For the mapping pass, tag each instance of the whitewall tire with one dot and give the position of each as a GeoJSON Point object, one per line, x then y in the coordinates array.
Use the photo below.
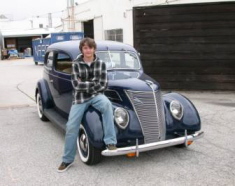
{"type": "Point", "coordinates": [87, 152]}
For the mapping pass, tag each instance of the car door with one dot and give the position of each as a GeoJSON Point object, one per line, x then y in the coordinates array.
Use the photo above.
{"type": "Point", "coordinates": [48, 72]}
{"type": "Point", "coordinates": [63, 90]}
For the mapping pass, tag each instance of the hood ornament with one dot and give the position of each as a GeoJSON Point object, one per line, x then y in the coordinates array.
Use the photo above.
{"type": "Point", "coordinates": [149, 82]}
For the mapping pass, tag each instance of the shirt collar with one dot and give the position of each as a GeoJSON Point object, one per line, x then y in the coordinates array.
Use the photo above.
{"type": "Point", "coordinates": [80, 59]}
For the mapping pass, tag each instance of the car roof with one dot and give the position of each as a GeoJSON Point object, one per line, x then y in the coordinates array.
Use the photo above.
{"type": "Point", "coordinates": [72, 47]}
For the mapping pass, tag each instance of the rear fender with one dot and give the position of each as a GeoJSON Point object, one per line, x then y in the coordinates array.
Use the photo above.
{"type": "Point", "coordinates": [43, 89]}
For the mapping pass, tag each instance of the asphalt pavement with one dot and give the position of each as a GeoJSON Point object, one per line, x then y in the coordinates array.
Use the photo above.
{"type": "Point", "coordinates": [31, 150]}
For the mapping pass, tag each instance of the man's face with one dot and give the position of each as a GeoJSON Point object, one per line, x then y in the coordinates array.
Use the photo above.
{"type": "Point", "coordinates": [87, 51]}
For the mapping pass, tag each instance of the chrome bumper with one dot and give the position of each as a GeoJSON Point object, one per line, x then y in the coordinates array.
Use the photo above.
{"type": "Point", "coordinates": [152, 146]}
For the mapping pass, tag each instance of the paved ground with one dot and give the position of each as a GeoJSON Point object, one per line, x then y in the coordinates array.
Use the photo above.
{"type": "Point", "coordinates": [30, 150]}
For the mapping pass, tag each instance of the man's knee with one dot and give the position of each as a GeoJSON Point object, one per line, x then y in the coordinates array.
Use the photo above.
{"type": "Point", "coordinates": [105, 104]}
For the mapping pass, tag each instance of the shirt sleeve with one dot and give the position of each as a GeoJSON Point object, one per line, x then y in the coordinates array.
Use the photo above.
{"type": "Point", "coordinates": [78, 85]}
{"type": "Point", "coordinates": [99, 82]}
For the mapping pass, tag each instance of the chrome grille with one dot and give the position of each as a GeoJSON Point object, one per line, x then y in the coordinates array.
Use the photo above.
{"type": "Point", "coordinates": [150, 114]}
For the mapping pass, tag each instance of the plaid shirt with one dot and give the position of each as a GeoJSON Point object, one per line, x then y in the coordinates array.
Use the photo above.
{"type": "Point", "coordinates": [93, 79]}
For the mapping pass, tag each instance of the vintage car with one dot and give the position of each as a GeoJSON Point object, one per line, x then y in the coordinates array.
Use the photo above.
{"type": "Point", "coordinates": [144, 118]}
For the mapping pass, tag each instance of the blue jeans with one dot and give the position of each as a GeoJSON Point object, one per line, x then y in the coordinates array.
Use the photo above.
{"type": "Point", "coordinates": [101, 103]}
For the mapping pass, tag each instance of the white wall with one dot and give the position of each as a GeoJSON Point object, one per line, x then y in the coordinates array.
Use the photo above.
{"type": "Point", "coordinates": [107, 15]}
{"type": "Point", "coordinates": [98, 27]}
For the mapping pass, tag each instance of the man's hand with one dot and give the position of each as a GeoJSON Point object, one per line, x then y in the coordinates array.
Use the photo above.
{"type": "Point", "coordinates": [79, 79]}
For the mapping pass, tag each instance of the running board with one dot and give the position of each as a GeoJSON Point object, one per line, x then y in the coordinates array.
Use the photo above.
{"type": "Point", "coordinates": [55, 118]}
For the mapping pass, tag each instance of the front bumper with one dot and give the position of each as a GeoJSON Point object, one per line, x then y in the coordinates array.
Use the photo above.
{"type": "Point", "coordinates": [152, 146]}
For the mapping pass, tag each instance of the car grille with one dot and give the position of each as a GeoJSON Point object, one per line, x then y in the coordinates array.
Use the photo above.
{"type": "Point", "coordinates": [150, 114]}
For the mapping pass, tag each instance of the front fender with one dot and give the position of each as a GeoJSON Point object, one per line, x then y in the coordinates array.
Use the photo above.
{"type": "Point", "coordinates": [92, 122]}
{"type": "Point", "coordinates": [43, 89]}
{"type": "Point", "coordinates": [190, 120]}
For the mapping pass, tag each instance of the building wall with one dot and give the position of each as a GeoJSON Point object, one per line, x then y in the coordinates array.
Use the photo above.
{"type": "Point", "coordinates": [114, 14]}
{"type": "Point", "coordinates": [187, 46]}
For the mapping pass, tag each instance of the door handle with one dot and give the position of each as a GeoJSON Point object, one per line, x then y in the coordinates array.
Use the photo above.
{"type": "Point", "coordinates": [51, 80]}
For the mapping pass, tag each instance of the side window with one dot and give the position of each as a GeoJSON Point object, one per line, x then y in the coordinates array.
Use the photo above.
{"type": "Point", "coordinates": [49, 60]}
{"type": "Point", "coordinates": [63, 63]}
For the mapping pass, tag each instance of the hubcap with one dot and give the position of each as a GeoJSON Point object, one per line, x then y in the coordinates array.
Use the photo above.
{"type": "Point", "coordinates": [39, 105]}
{"type": "Point", "coordinates": [83, 142]}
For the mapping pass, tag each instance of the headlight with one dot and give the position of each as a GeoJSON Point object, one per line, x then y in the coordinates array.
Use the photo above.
{"type": "Point", "coordinates": [176, 109]}
{"type": "Point", "coordinates": [121, 117]}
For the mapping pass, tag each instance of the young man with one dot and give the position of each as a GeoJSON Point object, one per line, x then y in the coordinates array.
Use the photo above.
{"type": "Point", "coordinates": [89, 80]}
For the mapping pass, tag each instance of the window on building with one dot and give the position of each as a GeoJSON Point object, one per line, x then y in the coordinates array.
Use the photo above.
{"type": "Point", "coordinates": [40, 25]}
{"type": "Point", "coordinates": [114, 35]}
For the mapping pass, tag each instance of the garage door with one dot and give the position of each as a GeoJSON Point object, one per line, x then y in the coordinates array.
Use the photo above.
{"type": "Point", "coordinates": [23, 43]}
{"type": "Point", "coordinates": [188, 46]}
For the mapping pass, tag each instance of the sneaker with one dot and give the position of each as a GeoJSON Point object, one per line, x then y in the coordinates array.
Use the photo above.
{"type": "Point", "coordinates": [64, 166]}
{"type": "Point", "coordinates": [111, 147]}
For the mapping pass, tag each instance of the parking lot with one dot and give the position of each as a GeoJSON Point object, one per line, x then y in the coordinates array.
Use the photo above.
{"type": "Point", "coordinates": [31, 150]}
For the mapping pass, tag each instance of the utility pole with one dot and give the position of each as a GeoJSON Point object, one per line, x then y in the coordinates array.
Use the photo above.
{"type": "Point", "coordinates": [1, 45]}
{"type": "Point", "coordinates": [68, 23]}
{"type": "Point", "coordinates": [71, 17]}
{"type": "Point", "coordinates": [49, 20]}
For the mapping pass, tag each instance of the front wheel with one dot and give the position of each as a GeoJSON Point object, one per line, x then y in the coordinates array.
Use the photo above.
{"type": "Point", "coordinates": [40, 108]}
{"type": "Point", "coordinates": [87, 152]}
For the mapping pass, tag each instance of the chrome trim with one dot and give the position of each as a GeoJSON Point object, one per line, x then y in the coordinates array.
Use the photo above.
{"type": "Point", "coordinates": [82, 142]}
{"type": "Point", "coordinates": [150, 84]}
{"type": "Point", "coordinates": [148, 117]}
{"type": "Point", "coordinates": [186, 138]}
{"type": "Point", "coordinates": [135, 111]}
{"type": "Point", "coordinates": [153, 146]}
{"type": "Point", "coordinates": [39, 105]}
{"type": "Point", "coordinates": [137, 147]}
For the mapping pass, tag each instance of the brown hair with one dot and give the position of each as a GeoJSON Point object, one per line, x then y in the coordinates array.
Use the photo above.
{"type": "Point", "coordinates": [87, 41]}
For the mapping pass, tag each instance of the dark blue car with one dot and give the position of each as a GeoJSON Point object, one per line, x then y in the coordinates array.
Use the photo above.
{"type": "Point", "coordinates": [144, 118]}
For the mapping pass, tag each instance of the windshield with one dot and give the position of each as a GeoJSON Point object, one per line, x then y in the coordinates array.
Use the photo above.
{"type": "Point", "coordinates": [119, 59]}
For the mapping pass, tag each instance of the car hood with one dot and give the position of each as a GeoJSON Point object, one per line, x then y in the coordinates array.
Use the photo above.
{"type": "Point", "coordinates": [130, 81]}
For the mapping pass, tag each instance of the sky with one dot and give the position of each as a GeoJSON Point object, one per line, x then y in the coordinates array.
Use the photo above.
{"type": "Point", "coordinates": [20, 9]}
